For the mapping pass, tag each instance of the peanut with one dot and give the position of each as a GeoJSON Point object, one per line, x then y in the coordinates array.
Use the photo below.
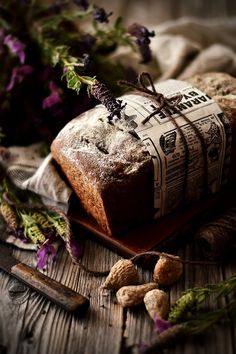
{"type": "Point", "coordinates": [133, 295]}
{"type": "Point", "coordinates": [168, 269]}
{"type": "Point", "coordinates": [157, 303]}
{"type": "Point", "coordinates": [122, 273]}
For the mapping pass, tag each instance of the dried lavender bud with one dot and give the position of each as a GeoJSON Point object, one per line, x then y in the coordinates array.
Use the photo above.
{"type": "Point", "coordinates": [82, 3]}
{"type": "Point", "coordinates": [142, 35]}
{"type": "Point", "coordinates": [106, 97]}
{"type": "Point", "coordinates": [41, 220]}
{"type": "Point", "coordinates": [9, 214]}
{"type": "Point", "coordinates": [31, 229]}
{"type": "Point", "coordinates": [100, 15]}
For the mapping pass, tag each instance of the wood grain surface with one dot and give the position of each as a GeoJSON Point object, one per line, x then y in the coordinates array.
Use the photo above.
{"type": "Point", "coordinates": [31, 324]}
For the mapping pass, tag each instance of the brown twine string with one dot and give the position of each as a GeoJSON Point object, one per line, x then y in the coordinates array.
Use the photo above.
{"type": "Point", "coordinates": [136, 259]}
{"type": "Point", "coordinates": [167, 104]}
{"type": "Point", "coordinates": [217, 238]}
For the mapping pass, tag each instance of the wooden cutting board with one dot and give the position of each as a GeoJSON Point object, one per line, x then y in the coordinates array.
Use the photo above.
{"type": "Point", "coordinates": [162, 233]}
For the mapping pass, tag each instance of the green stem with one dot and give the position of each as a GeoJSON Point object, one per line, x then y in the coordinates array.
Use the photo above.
{"type": "Point", "coordinates": [59, 55]}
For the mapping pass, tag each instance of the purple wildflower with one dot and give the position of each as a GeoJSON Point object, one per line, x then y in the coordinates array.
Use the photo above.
{"type": "Point", "coordinates": [18, 75]}
{"type": "Point", "coordinates": [54, 97]}
{"type": "Point", "coordinates": [100, 15]}
{"type": "Point", "coordinates": [82, 3]}
{"type": "Point", "coordinates": [161, 325]}
{"type": "Point", "coordinates": [16, 47]}
{"type": "Point", "coordinates": [44, 253]}
{"type": "Point", "coordinates": [142, 348]}
{"type": "Point", "coordinates": [142, 35]}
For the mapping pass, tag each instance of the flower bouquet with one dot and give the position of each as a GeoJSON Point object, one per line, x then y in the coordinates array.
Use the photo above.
{"type": "Point", "coordinates": [51, 57]}
{"type": "Point", "coordinates": [56, 62]}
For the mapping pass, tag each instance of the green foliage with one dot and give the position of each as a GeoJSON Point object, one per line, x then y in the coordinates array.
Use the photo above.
{"type": "Point", "coordinates": [193, 298]}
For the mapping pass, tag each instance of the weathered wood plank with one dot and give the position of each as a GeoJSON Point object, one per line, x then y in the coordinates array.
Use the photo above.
{"type": "Point", "coordinates": [139, 327]}
{"type": "Point", "coordinates": [41, 327]}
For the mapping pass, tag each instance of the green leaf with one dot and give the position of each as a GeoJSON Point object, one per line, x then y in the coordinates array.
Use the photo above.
{"type": "Point", "coordinates": [119, 23]}
{"type": "Point", "coordinates": [74, 84]}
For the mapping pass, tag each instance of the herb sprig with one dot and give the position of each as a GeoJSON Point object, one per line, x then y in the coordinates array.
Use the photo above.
{"type": "Point", "coordinates": [180, 325]}
{"type": "Point", "coordinates": [193, 298]}
{"type": "Point", "coordinates": [63, 49]}
{"type": "Point", "coordinates": [32, 222]}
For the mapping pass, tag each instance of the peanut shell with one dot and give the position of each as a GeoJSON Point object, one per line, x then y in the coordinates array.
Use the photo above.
{"type": "Point", "coordinates": [122, 273]}
{"type": "Point", "coordinates": [157, 303]}
{"type": "Point", "coordinates": [168, 270]}
{"type": "Point", "coordinates": [133, 295]}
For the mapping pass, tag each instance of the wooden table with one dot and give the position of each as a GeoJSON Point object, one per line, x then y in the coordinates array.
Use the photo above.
{"type": "Point", "coordinates": [31, 324]}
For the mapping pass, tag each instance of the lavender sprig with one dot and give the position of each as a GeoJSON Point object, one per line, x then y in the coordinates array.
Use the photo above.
{"type": "Point", "coordinates": [59, 55]}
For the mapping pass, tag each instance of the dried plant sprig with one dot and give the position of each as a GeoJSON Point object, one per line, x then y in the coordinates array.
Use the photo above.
{"type": "Point", "coordinates": [31, 229]}
{"type": "Point", "coordinates": [192, 298]}
{"type": "Point", "coordinates": [59, 55]}
{"type": "Point", "coordinates": [37, 223]}
{"type": "Point", "coordinates": [9, 215]}
{"type": "Point", "coordinates": [191, 327]}
{"type": "Point", "coordinates": [55, 40]}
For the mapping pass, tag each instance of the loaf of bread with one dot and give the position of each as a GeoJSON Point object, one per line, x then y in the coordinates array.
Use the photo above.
{"type": "Point", "coordinates": [111, 170]}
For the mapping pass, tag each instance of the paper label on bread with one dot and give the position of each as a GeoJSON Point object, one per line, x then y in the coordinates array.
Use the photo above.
{"type": "Point", "coordinates": [168, 149]}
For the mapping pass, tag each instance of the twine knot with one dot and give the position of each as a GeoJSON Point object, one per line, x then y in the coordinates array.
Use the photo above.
{"type": "Point", "coordinates": [163, 103]}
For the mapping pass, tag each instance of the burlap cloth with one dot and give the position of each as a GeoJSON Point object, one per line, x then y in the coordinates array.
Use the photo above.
{"type": "Point", "coordinates": [189, 46]}
{"type": "Point", "coordinates": [180, 49]}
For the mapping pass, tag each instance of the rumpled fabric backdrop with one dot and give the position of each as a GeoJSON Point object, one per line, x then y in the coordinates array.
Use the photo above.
{"type": "Point", "coordinates": [180, 49]}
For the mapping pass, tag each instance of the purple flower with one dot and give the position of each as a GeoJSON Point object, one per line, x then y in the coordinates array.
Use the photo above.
{"type": "Point", "coordinates": [16, 47]}
{"type": "Point", "coordinates": [100, 15]}
{"type": "Point", "coordinates": [161, 325]}
{"type": "Point", "coordinates": [18, 75]}
{"type": "Point", "coordinates": [54, 97]}
{"type": "Point", "coordinates": [82, 3]}
{"type": "Point", "coordinates": [142, 35]}
{"type": "Point", "coordinates": [44, 253]}
{"type": "Point", "coordinates": [142, 348]}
